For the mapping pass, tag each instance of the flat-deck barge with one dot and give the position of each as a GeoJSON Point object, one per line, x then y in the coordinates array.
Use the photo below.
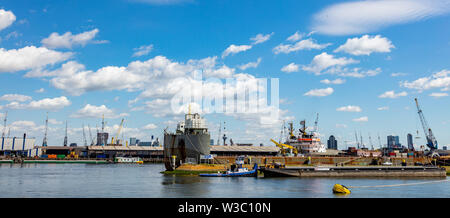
{"type": "Point", "coordinates": [356, 171]}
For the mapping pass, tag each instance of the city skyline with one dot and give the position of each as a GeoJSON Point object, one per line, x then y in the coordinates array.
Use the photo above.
{"type": "Point", "coordinates": [121, 59]}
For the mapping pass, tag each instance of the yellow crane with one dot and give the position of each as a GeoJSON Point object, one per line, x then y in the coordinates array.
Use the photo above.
{"type": "Point", "coordinates": [118, 132]}
{"type": "Point", "coordinates": [283, 146]}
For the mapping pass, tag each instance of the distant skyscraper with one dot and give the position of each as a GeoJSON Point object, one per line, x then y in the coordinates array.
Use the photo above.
{"type": "Point", "coordinates": [410, 141]}
{"type": "Point", "coordinates": [393, 141]}
{"type": "Point", "coordinates": [133, 141]}
{"type": "Point", "coordinates": [211, 142]}
{"type": "Point", "coordinates": [332, 143]}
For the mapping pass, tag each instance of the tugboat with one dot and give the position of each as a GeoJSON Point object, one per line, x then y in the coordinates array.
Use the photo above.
{"type": "Point", "coordinates": [236, 172]}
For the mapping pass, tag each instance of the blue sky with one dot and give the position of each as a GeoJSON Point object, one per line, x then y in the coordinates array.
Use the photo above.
{"type": "Point", "coordinates": [382, 54]}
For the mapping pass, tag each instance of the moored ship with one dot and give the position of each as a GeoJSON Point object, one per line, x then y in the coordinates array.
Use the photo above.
{"type": "Point", "coordinates": [305, 142]}
{"type": "Point", "coordinates": [188, 143]}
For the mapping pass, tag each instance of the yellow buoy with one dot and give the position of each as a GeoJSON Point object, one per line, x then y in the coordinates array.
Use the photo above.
{"type": "Point", "coordinates": [340, 189]}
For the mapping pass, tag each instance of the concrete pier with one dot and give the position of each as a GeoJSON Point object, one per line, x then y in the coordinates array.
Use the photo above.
{"type": "Point", "coordinates": [369, 171]}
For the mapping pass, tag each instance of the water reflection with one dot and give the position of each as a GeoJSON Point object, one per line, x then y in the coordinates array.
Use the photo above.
{"type": "Point", "coordinates": [117, 180]}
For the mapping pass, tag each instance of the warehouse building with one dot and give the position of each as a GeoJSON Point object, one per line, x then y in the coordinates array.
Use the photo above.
{"type": "Point", "coordinates": [17, 146]}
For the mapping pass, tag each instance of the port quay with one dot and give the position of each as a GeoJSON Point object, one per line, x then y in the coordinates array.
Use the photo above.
{"type": "Point", "coordinates": [224, 108]}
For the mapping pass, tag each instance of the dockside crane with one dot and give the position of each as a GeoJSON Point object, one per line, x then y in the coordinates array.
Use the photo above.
{"type": "Point", "coordinates": [65, 137]}
{"type": "Point", "coordinates": [90, 135]}
{"type": "Point", "coordinates": [220, 133]}
{"type": "Point", "coordinates": [379, 140]}
{"type": "Point", "coordinates": [84, 137]}
{"type": "Point", "coordinates": [362, 145]}
{"type": "Point", "coordinates": [114, 139]}
{"type": "Point", "coordinates": [4, 124]}
{"type": "Point", "coordinates": [44, 141]}
{"type": "Point", "coordinates": [431, 140]}
{"type": "Point", "coordinates": [356, 137]}
{"type": "Point", "coordinates": [283, 146]}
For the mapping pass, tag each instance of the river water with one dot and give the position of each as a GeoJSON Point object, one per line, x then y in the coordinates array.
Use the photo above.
{"type": "Point", "coordinates": [136, 181]}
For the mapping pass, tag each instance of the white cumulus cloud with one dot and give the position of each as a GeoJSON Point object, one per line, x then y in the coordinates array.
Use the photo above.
{"type": "Point", "coordinates": [29, 57]}
{"type": "Point", "coordinates": [320, 92]}
{"type": "Point", "coordinates": [142, 50]}
{"type": "Point", "coordinates": [306, 44]}
{"type": "Point", "coordinates": [234, 49]}
{"type": "Point", "coordinates": [150, 126]}
{"type": "Point", "coordinates": [292, 67]}
{"type": "Point", "coordinates": [349, 108]}
{"type": "Point", "coordinates": [6, 18]}
{"type": "Point", "coordinates": [440, 80]}
{"type": "Point", "coordinates": [324, 60]}
{"type": "Point", "coordinates": [250, 64]}
{"type": "Point", "coordinates": [295, 37]}
{"type": "Point", "coordinates": [92, 111]}
{"type": "Point", "coordinates": [51, 104]}
{"type": "Point", "coordinates": [260, 38]}
{"type": "Point", "coordinates": [337, 81]}
{"type": "Point", "coordinates": [15, 97]}
{"type": "Point", "coordinates": [361, 119]}
{"type": "Point", "coordinates": [439, 94]}
{"type": "Point", "coordinates": [67, 40]}
{"type": "Point", "coordinates": [392, 94]}
{"type": "Point", "coordinates": [366, 45]}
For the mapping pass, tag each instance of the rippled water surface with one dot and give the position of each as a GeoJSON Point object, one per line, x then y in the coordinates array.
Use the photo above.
{"type": "Point", "coordinates": [117, 180]}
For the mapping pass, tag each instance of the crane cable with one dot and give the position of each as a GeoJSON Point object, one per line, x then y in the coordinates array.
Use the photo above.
{"type": "Point", "coordinates": [395, 185]}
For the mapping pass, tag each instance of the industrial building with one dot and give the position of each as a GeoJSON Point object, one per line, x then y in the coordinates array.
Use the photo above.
{"type": "Point", "coordinates": [19, 146]}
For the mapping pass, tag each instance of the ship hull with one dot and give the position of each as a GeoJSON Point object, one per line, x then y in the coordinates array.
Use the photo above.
{"type": "Point", "coordinates": [184, 148]}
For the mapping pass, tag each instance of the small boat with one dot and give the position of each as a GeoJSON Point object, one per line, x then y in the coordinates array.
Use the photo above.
{"type": "Point", "coordinates": [340, 189]}
{"type": "Point", "coordinates": [128, 160]}
{"type": "Point", "coordinates": [387, 163]}
{"type": "Point", "coordinates": [241, 172]}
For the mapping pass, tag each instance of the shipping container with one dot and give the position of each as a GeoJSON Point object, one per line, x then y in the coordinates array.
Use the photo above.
{"type": "Point", "coordinates": [52, 156]}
